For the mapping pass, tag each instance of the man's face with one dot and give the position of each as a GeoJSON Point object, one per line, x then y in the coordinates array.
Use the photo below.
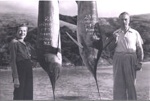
{"type": "Point", "coordinates": [124, 20]}
{"type": "Point", "coordinates": [22, 32]}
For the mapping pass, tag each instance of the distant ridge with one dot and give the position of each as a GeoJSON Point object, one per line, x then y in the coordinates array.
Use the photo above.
{"type": "Point", "coordinates": [68, 23]}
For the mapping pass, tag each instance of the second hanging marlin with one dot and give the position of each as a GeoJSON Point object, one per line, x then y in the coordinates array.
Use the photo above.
{"type": "Point", "coordinates": [89, 36]}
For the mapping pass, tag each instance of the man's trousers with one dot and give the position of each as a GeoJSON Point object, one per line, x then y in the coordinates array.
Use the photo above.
{"type": "Point", "coordinates": [124, 74]}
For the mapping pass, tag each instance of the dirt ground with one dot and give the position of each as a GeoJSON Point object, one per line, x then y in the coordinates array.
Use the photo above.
{"type": "Point", "coordinates": [75, 83]}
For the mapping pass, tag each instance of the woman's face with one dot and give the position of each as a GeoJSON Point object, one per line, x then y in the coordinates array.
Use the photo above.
{"type": "Point", "coordinates": [22, 32]}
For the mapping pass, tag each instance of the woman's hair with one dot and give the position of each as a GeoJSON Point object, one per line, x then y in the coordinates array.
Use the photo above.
{"type": "Point", "coordinates": [13, 36]}
{"type": "Point", "coordinates": [22, 25]}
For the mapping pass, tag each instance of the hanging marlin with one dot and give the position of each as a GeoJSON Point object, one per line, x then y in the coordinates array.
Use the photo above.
{"type": "Point", "coordinates": [48, 40]}
{"type": "Point", "coordinates": [89, 36]}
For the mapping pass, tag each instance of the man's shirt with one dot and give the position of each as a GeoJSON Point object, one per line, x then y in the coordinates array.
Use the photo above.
{"type": "Point", "coordinates": [127, 41]}
{"type": "Point", "coordinates": [18, 52]}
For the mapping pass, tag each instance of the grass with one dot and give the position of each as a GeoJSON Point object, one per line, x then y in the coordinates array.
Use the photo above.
{"type": "Point", "coordinates": [75, 83]}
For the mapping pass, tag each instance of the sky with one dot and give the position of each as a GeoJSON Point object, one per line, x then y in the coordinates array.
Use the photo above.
{"type": "Point", "coordinates": [110, 8]}
{"type": "Point", "coordinates": [106, 8]}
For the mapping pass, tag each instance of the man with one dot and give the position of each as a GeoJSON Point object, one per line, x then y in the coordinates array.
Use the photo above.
{"type": "Point", "coordinates": [21, 66]}
{"type": "Point", "coordinates": [125, 61]}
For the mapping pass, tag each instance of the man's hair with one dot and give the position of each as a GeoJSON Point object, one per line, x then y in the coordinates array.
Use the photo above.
{"type": "Point", "coordinates": [124, 13]}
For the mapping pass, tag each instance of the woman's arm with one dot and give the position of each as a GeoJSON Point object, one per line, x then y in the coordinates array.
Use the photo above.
{"type": "Point", "coordinates": [13, 51]}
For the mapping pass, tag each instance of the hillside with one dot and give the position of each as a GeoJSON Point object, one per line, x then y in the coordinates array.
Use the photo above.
{"type": "Point", "coordinates": [70, 51]}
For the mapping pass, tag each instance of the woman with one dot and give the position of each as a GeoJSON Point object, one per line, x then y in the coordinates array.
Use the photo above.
{"type": "Point", "coordinates": [21, 66]}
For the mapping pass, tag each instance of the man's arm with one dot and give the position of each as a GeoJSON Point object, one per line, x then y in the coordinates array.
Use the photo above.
{"type": "Point", "coordinates": [139, 48]}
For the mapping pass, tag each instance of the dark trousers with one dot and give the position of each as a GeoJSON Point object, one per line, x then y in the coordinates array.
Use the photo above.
{"type": "Point", "coordinates": [25, 90]}
{"type": "Point", "coordinates": [124, 76]}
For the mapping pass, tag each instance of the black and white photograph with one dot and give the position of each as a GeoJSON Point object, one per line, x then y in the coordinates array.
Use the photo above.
{"type": "Point", "coordinates": [74, 50]}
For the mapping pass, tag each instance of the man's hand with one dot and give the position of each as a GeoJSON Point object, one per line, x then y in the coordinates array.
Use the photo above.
{"type": "Point", "coordinates": [116, 37]}
{"type": "Point", "coordinates": [95, 37]}
{"type": "Point", "coordinates": [16, 83]}
{"type": "Point", "coordinates": [138, 66]}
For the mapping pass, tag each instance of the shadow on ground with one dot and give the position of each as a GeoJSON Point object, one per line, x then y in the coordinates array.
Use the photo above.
{"type": "Point", "coordinates": [72, 97]}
